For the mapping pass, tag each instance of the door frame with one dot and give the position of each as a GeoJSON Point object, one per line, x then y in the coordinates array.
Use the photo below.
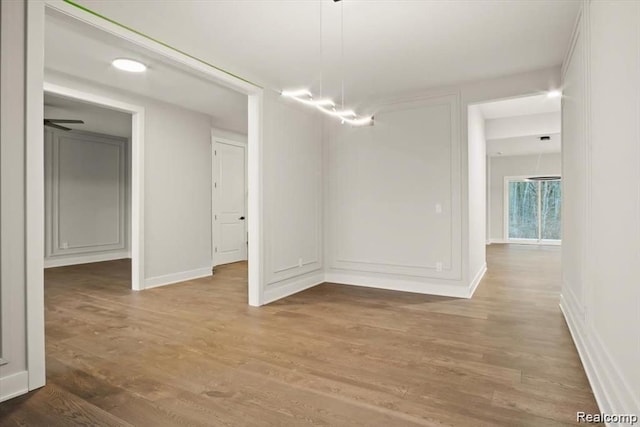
{"type": "Point", "coordinates": [34, 163]}
{"type": "Point", "coordinates": [214, 235]}
{"type": "Point", "coordinates": [505, 199]}
{"type": "Point", "coordinates": [137, 169]}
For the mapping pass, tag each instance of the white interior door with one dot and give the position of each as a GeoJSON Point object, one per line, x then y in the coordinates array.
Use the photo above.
{"type": "Point", "coordinates": [229, 202]}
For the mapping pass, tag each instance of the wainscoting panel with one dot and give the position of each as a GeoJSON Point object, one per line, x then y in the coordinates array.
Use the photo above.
{"type": "Point", "coordinates": [85, 201]}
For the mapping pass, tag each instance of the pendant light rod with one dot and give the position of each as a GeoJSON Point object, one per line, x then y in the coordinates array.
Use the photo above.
{"type": "Point", "coordinates": [342, 47]}
{"type": "Point", "coordinates": [324, 105]}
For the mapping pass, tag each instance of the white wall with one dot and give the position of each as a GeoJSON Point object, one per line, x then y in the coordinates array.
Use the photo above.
{"type": "Point", "coordinates": [13, 374]}
{"type": "Point", "coordinates": [477, 190]}
{"type": "Point", "coordinates": [392, 215]}
{"type": "Point", "coordinates": [292, 153]}
{"type": "Point", "coordinates": [502, 166]}
{"type": "Point", "coordinates": [601, 205]}
{"type": "Point", "coordinates": [383, 184]}
{"type": "Point", "coordinates": [177, 185]}
{"type": "Point", "coordinates": [87, 207]}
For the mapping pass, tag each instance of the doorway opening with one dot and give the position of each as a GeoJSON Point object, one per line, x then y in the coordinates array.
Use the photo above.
{"type": "Point", "coordinates": [170, 183]}
{"type": "Point", "coordinates": [521, 150]}
{"type": "Point", "coordinates": [92, 183]}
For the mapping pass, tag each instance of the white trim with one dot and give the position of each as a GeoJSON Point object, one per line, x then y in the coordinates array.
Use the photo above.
{"type": "Point", "coordinates": [488, 199]}
{"type": "Point", "coordinates": [34, 194]}
{"type": "Point", "coordinates": [477, 279]}
{"type": "Point", "coordinates": [255, 200]}
{"type": "Point", "coordinates": [183, 276]}
{"type": "Point", "coordinates": [498, 242]}
{"type": "Point", "coordinates": [543, 242]}
{"type": "Point", "coordinates": [214, 170]}
{"type": "Point", "coordinates": [84, 259]}
{"type": "Point", "coordinates": [299, 284]}
{"type": "Point", "coordinates": [612, 391]}
{"type": "Point", "coordinates": [393, 284]}
{"type": "Point", "coordinates": [137, 170]}
{"type": "Point", "coordinates": [14, 385]}
{"type": "Point", "coordinates": [525, 242]}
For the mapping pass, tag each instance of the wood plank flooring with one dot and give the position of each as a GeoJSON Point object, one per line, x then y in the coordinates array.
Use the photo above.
{"type": "Point", "coordinates": [194, 354]}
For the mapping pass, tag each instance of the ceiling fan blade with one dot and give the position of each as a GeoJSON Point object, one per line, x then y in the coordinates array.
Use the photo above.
{"type": "Point", "coordinates": [53, 125]}
{"type": "Point", "coordinates": [64, 121]}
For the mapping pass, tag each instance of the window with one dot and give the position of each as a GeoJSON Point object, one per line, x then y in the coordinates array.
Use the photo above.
{"type": "Point", "coordinates": [533, 209]}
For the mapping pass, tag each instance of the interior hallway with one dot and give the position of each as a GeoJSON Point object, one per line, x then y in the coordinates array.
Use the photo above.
{"type": "Point", "coordinates": [196, 354]}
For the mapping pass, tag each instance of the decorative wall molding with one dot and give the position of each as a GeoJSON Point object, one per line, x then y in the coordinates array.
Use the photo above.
{"type": "Point", "coordinates": [292, 286]}
{"type": "Point", "coordinates": [279, 271]}
{"type": "Point", "coordinates": [613, 393]}
{"type": "Point", "coordinates": [579, 300]}
{"type": "Point", "coordinates": [54, 247]}
{"type": "Point", "coordinates": [341, 266]}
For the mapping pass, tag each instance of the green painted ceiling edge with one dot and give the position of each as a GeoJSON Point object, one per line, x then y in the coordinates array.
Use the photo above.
{"type": "Point", "coordinates": [79, 6]}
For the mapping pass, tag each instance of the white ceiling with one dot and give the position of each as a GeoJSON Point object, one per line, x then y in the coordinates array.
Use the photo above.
{"type": "Point", "coordinates": [528, 105]}
{"type": "Point", "coordinates": [80, 50]}
{"type": "Point", "coordinates": [392, 47]}
{"type": "Point", "coordinates": [514, 126]}
{"type": "Point", "coordinates": [529, 144]}
{"type": "Point", "coordinates": [96, 119]}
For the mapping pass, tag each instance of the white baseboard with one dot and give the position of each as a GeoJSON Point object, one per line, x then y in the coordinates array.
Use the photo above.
{"type": "Point", "coordinates": [274, 292]}
{"type": "Point", "coordinates": [524, 242]}
{"type": "Point", "coordinates": [497, 241]}
{"type": "Point", "coordinates": [392, 284]}
{"type": "Point", "coordinates": [612, 392]}
{"type": "Point", "coordinates": [168, 279]}
{"type": "Point", "coordinates": [477, 279]}
{"type": "Point", "coordinates": [84, 259]}
{"type": "Point", "coordinates": [14, 385]}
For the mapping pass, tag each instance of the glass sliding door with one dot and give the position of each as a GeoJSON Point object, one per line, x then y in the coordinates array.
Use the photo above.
{"type": "Point", "coordinates": [533, 209]}
{"type": "Point", "coordinates": [550, 210]}
{"type": "Point", "coordinates": [523, 210]}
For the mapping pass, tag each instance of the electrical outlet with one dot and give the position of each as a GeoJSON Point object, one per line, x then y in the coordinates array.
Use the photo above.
{"type": "Point", "coordinates": [299, 262]}
{"type": "Point", "coordinates": [439, 267]}
{"type": "Point", "coordinates": [438, 208]}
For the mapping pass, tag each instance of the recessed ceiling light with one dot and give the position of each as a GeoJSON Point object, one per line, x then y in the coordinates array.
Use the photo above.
{"type": "Point", "coordinates": [129, 65]}
{"type": "Point", "coordinates": [554, 94]}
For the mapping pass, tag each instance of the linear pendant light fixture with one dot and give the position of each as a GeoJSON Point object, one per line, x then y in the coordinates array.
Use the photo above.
{"type": "Point", "coordinates": [325, 105]}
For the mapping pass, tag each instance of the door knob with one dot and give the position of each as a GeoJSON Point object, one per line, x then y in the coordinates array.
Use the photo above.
{"type": "Point", "coordinates": [241, 218]}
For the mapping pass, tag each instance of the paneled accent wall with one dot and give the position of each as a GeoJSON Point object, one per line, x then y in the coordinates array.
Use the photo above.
{"type": "Point", "coordinates": [601, 200]}
{"type": "Point", "coordinates": [85, 197]}
{"type": "Point", "coordinates": [393, 199]}
{"type": "Point", "coordinates": [293, 197]}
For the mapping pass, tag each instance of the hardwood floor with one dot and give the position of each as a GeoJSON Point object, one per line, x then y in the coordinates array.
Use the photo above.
{"type": "Point", "coordinates": [194, 354]}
